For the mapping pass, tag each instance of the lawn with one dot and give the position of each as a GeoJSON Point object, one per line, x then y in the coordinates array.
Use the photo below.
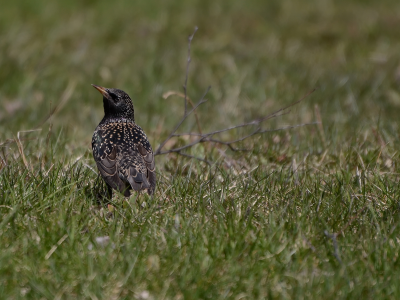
{"type": "Point", "coordinates": [308, 212]}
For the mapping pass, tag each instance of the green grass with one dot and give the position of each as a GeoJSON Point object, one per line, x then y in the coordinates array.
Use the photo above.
{"type": "Point", "coordinates": [309, 213]}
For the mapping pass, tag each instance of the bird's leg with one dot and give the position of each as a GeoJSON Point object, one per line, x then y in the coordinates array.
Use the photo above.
{"type": "Point", "coordinates": [140, 205]}
{"type": "Point", "coordinates": [109, 192]}
{"type": "Point", "coordinates": [137, 196]}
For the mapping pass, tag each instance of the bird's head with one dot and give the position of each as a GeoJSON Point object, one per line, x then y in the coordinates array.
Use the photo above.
{"type": "Point", "coordinates": [117, 103]}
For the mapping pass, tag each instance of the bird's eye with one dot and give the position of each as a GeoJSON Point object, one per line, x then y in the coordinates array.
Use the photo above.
{"type": "Point", "coordinates": [113, 96]}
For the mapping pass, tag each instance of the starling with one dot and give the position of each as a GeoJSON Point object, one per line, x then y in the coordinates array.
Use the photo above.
{"type": "Point", "coordinates": [120, 147]}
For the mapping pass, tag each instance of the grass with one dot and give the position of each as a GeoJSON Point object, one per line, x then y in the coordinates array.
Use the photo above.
{"type": "Point", "coordinates": [309, 213]}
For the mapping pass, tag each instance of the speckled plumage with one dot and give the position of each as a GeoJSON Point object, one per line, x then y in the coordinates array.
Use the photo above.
{"type": "Point", "coordinates": [120, 147]}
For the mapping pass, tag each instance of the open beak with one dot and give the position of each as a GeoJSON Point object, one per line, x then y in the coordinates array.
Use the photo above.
{"type": "Point", "coordinates": [101, 89]}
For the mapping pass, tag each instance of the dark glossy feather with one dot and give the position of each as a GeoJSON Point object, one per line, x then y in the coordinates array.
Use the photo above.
{"type": "Point", "coordinates": [123, 153]}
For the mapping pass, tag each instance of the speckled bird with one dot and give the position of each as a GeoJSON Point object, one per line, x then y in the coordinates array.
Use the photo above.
{"type": "Point", "coordinates": [121, 149]}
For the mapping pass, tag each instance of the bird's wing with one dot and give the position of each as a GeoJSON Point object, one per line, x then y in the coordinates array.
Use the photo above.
{"type": "Point", "coordinates": [148, 158]}
{"type": "Point", "coordinates": [131, 163]}
{"type": "Point", "coordinates": [133, 168]}
{"type": "Point", "coordinates": [108, 168]}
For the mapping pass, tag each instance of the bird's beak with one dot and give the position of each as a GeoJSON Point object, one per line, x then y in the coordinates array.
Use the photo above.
{"type": "Point", "coordinates": [101, 89]}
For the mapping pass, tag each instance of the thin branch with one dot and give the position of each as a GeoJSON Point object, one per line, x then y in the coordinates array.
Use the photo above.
{"type": "Point", "coordinates": [187, 67]}
{"type": "Point", "coordinates": [253, 122]}
{"type": "Point", "coordinates": [170, 93]}
{"type": "Point", "coordinates": [229, 143]}
{"type": "Point", "coordinates": [195, 157]}
{"type": "Point", "coordinates": [278, 113]}
{"type": "Point", "coordinates": [206, 137]}
{"type": "Point", "coordinates": [290, 105]}
{"type": "Point", "coordinates": [179, 149]}
{"type": "Point", "coordinates": [209, 137]}
{"type": "Point", "coordinates": [234, 127]}
{"type": "Point", "coordinates": [287, 127]}
{"type": "Point", "coordinates": [201, 101]}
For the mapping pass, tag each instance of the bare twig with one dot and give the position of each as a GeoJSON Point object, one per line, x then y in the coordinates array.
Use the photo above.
{"type": "Point", "coordinates": [234, 127]}
{"type": "Point", "coordinates": [212, 137]}
{"type": "Point", "coordinates": [170, 93]}
{"type": "Point", "coordinates": [187, 67]}
{"type": "Point", "coordinates": [277, 113]}
{"type": "Point", "coordinates": [206, 137]}
{"type": "Point", "coordinates": [201, 101]}
{"type": "Point", "coordinates": [195, 157]}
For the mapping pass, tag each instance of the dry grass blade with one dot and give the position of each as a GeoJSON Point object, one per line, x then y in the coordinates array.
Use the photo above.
{"type": "Point", "coordinates": [69, 90]}
{"type": "Point", "coordinates": [54, 248]}
{"type": "Point", "coordinates": [21, 148]}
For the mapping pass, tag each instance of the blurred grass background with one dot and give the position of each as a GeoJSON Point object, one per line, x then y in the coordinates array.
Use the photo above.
{"type": "Point", "coordinates": [258, 56]}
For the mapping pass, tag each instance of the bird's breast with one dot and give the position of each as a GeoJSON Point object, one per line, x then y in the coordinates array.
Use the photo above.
{"type": "Point", "coordinates": [124, 135]}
